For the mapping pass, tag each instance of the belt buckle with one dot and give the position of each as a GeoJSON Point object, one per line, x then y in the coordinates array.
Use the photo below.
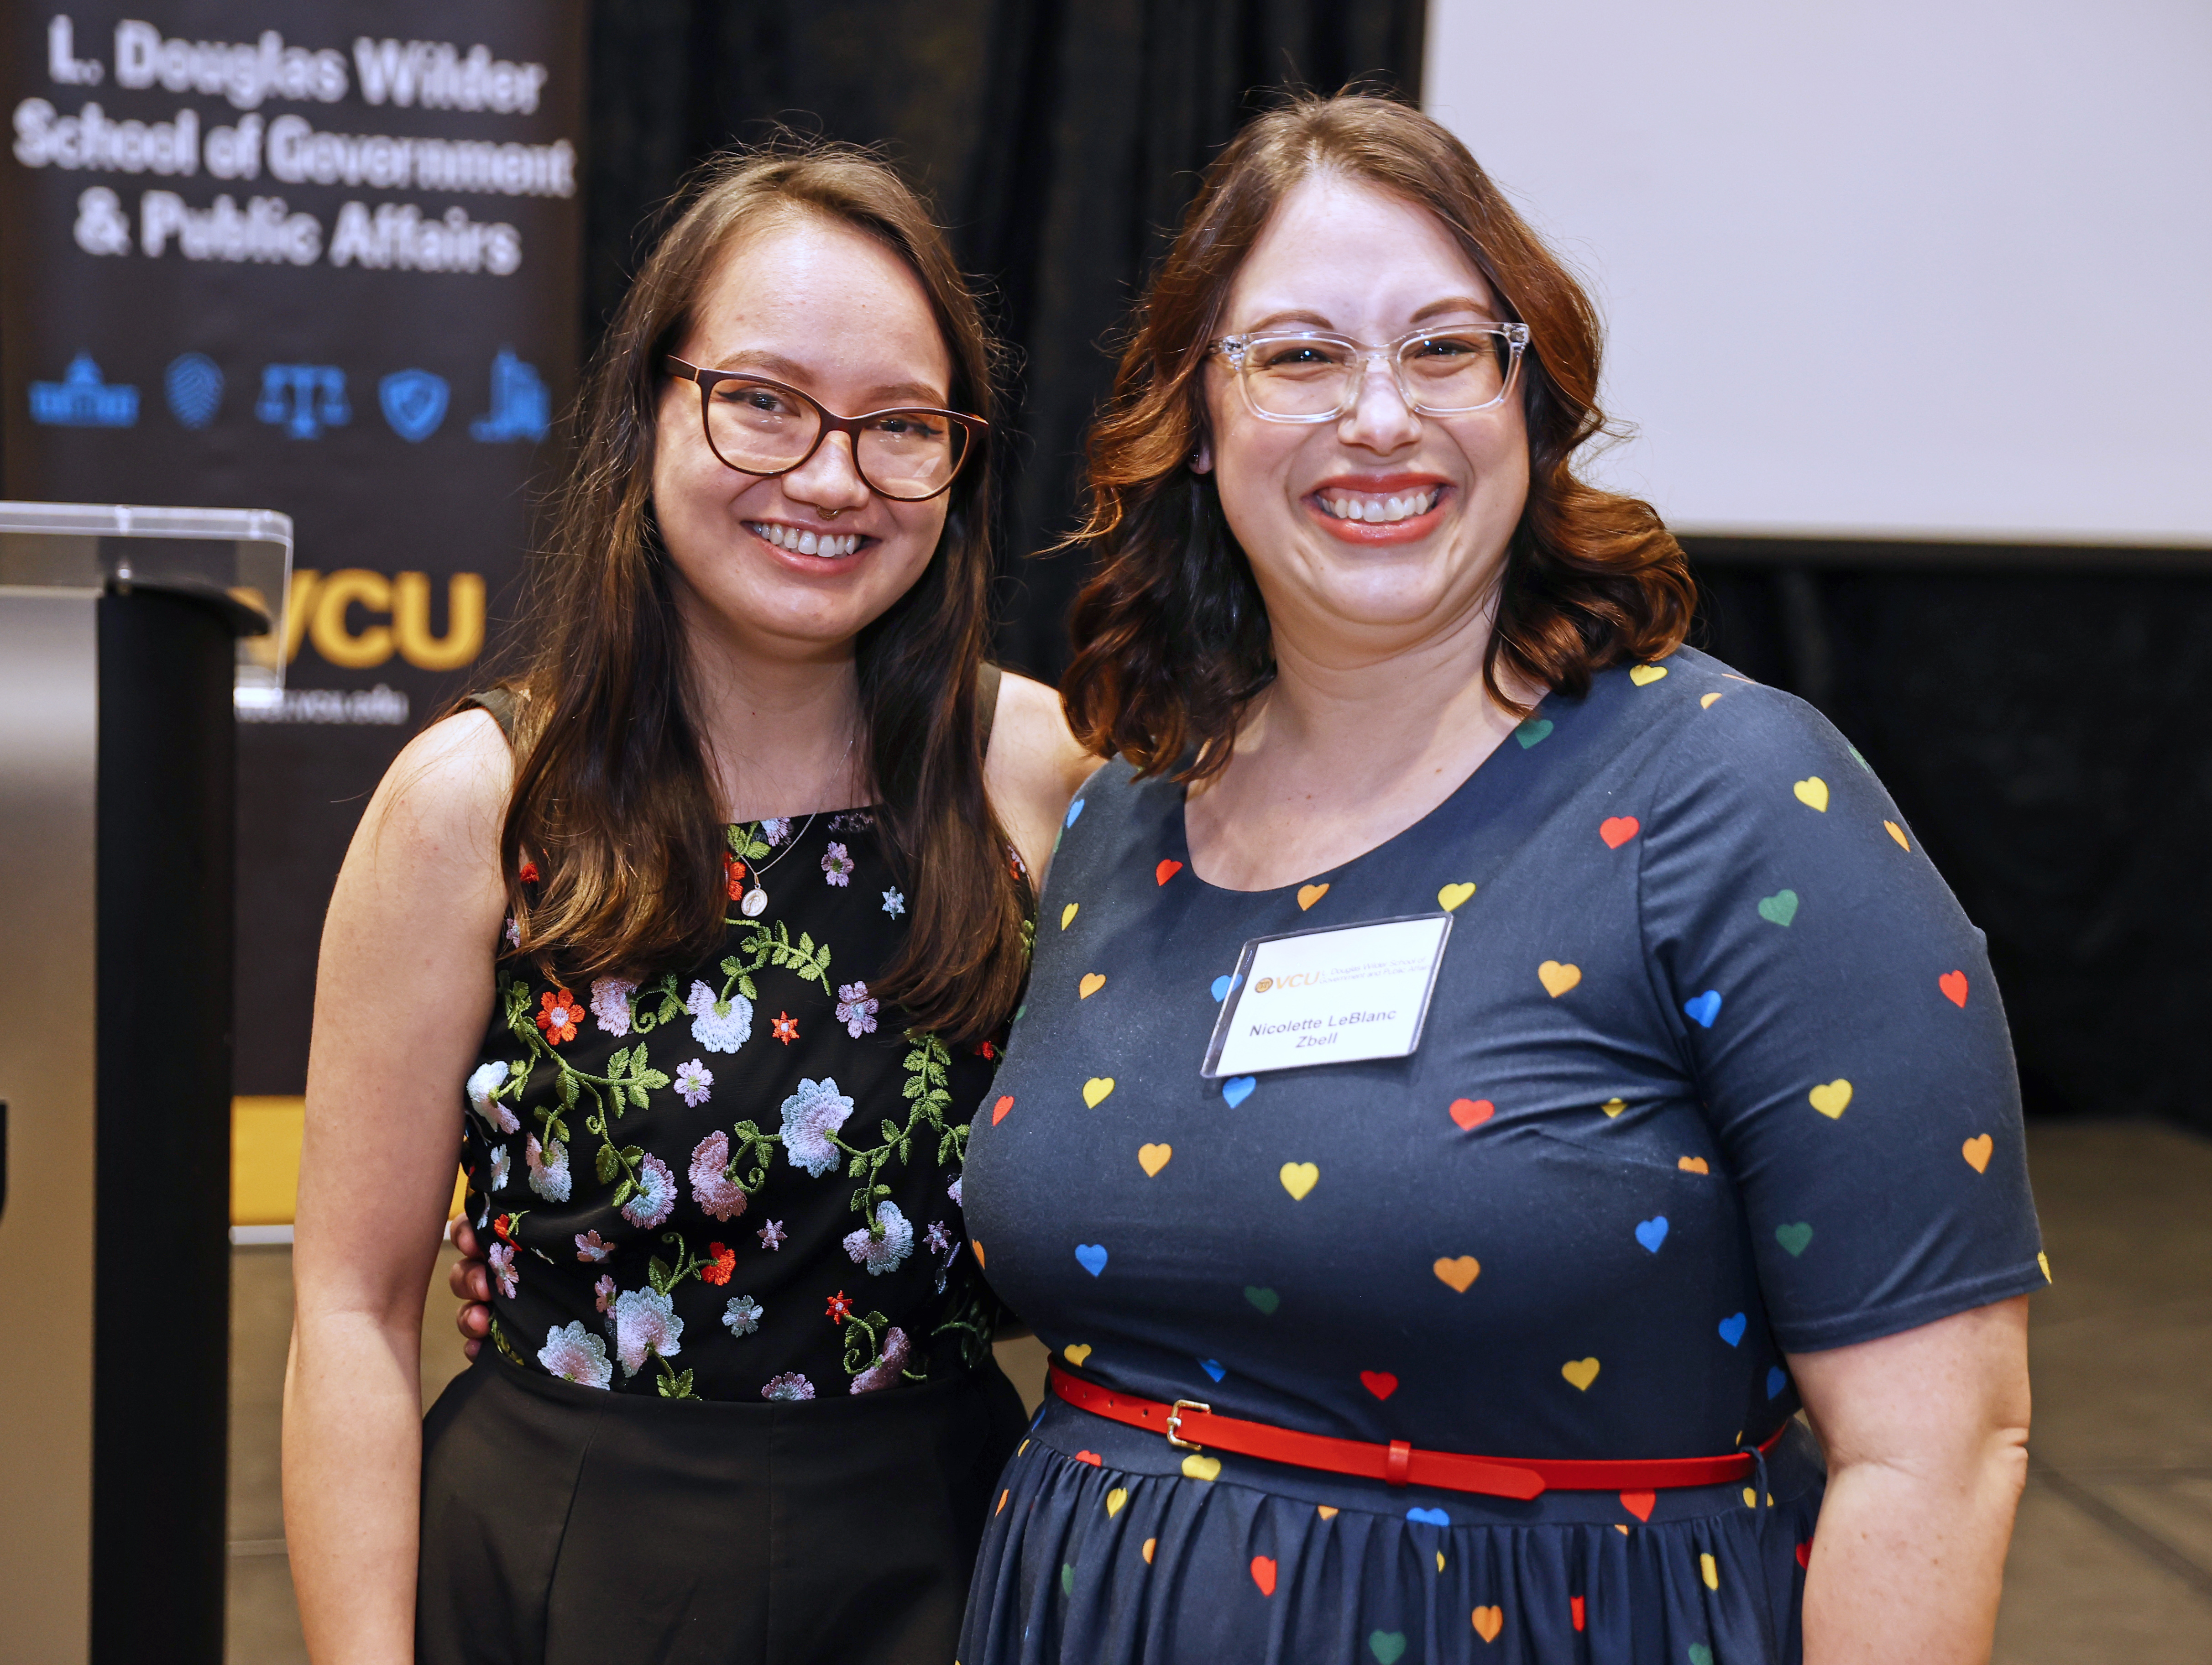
{"type": "Point", "coordinates": [1175, 1423]}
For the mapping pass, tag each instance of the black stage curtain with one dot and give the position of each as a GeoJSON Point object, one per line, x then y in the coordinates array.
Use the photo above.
{"type": "Point", "coordinates": [1060, 139]}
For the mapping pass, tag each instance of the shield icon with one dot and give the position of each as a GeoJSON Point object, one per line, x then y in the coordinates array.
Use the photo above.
{"type": "Point", "coordinates": [194, 386]}
{"type": "Point", "coordinates": [414, 402]}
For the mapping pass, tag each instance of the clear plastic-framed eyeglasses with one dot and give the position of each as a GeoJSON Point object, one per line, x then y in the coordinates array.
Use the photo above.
{"type": "Point", "coordinates": [756, 426]}
{"type": "Point", "coordinates": [1312, 375]}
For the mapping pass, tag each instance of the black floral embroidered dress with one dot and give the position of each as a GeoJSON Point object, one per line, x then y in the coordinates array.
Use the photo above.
{"type": "Point", "coordinates": [742, 1182]}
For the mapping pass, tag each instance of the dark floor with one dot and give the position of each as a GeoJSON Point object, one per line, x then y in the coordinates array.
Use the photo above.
{"type": "Point", "coordinates": [2111, 1560]}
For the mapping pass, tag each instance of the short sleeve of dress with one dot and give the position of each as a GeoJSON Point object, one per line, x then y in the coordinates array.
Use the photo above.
{"type": "Point", "coordinates": [1836, 1009]}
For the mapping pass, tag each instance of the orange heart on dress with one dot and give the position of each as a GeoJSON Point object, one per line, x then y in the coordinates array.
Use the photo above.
{"type": "Point", "coordinates": [1091, 983]}
{"type": "Point", "coordinates": [1977, 1151]}
{"type": "Point", "coordinates": [1153, 1158]}
{"type": "Point", "coordinates": [1150, 1544]}
{"type": "Point", "coordinates": [1091, 1457]}
{"type": "Point", "coordinates": [1309, 894]}
{"type": "Point", "coordinates": [1693, 1165]}
{"type": "Point", "coordinates": [1166, 871]}
{"type": "Point", "coordinates": [999, 1110]}
{"type": "Point", "coordinates": [1460, 1271]}
{"type": "Point", "coordinates": [1898, 833]}
{"type": "Point", "coordinates": [1639, 1503]}
{"type": "Point", "coordinates": [1263, 1574]}
{"type": "Point", "coordinates": [1953, 985]}
{"type": "Point", "coordinates": [978, 1247]}
{"type": "Point", "coordinates": [1327, 1510]}
{"type": "Point", "coordinates": [1472, 1113]}
{"type": "Point", "coordinates": [1557, 979]}
{"type": "Point", "coordinates": [1488, 1621]}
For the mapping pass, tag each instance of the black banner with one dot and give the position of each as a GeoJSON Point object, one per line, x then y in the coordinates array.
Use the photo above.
{"type": "Point", "coordinates": [318, 257]}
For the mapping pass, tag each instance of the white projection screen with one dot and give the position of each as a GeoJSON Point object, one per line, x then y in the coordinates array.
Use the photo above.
{"type": "Point", "coordinates": [1937, 271]}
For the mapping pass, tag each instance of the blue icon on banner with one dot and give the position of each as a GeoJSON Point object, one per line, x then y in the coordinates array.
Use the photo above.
{"type": "Point", "coordinates": [414, 402]}
{"type": "Point", "coordinates": [193, 384]}
{"type": "Point", "coordinates": [303, 399]}
{"type": "Point", "coordinates": [80, 399]}
{"type": "Point", "coordinates": [521, 409]}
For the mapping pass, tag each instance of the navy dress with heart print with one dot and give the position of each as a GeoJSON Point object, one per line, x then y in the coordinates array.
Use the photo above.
{"type": "Point", "coordinates": [1714, 1073]}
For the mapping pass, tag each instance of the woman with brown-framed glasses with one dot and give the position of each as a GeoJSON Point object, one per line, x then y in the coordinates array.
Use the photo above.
{"type": "Point", "coordinates": [695, 939]}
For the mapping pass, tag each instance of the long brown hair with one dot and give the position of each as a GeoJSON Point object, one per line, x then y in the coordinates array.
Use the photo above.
{"type": "Point", "coordinates": [612, 800]}
{"type": "Point", "coordinates": [1172, 636]}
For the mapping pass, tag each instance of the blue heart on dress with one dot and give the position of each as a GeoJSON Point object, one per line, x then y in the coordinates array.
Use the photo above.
{"type": "Point", "coordinates": [1073, 810]}
{"type": "Point", "coordinates": [1237, 1089]}
{"type": "Point", "coordinates": [1776, 1380]}
{"type": "Point", "coordinates": [1704, 1008]}
{"type": "Point", "coordinates": [1092, 1257]}
{"type": "Point", "coordinates": [1212, 1367]}
{"type": "Point", "coordinates": [1429, 1516]}
{"type": "Point", "coordinates": [1652, 1232]}
{"type": "Point", "coordinates": [1733, 1327]}
{"type": "Point", "coordinates": [1224, 984]}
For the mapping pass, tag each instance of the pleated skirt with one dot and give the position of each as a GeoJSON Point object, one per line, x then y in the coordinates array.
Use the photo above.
{"type": "Point", "coordinates": [574, 1527]}
{"type": "Point", "coordinates": [1107, 1546]}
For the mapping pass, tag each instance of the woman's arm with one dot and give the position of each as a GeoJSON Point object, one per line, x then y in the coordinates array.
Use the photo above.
{"type": "Point", "coordinates": [1926, 1433]}
{"type": "Point", "coordinates": [403, 993]}
{"type": "Point", "coordinates": [1034, 768]}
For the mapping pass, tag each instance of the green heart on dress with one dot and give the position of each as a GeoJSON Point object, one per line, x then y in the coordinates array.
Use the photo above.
{"type": "Point", "coordinates": [1794, 1237]}
{"type": "Point", "coordinates": [1066, 1579]}
{"type": "Point", "coordinates": [1266, 1299]}
{"type": "Point", "coordinates": [1529, 733]}
{"type": "Point", "coordinates": [1780, 909]}
{"type": "Point", "coordinates": [1700, 1653]}
{"type": "Point", "coordinates": [1388, 1646]}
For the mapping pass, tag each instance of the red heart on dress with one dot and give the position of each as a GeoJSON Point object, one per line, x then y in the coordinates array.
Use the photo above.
{"type": "Point", "coordinates": [1263, 1574]}
{"type": "Point", "coordinates": [1617, 830]}
{"type": "Point", "coordinates": [1953, 985]}
{"type": "Point", "coordinates": [1166, 871]}
{"type": "Point", "coordinates": [1381, 1383]}
{"type": "Point", "coordinates": [1575, 1604]}
{"type": "Point", "coordinates": [1091, 1457]}
{"type": "Point", "coordinates": [999, 1110]}
{"type": "Point", "coordinates": [1472, 1113]}
{"type": "Point", "coordinates": [1639, 1503]}
{"type": "Point", "coordinates": [1805, 1554]}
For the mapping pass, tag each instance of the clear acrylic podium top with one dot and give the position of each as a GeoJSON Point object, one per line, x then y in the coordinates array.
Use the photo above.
{"type": "Point", "coordinates": [239, 559]}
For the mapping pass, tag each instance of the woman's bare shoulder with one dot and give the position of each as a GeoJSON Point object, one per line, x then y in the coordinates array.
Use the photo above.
{"type": "Point", "coordinates": [1035, 756]}
{"type": "Point", "coordinates": [441, 802]}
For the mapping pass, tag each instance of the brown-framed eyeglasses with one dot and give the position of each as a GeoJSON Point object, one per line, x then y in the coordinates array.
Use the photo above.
{"type": "Point", "coordinates": [756, 426]}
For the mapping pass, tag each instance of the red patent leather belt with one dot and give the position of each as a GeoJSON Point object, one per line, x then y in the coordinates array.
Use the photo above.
{"type": "Point", "coordinates": [1190, 1426]}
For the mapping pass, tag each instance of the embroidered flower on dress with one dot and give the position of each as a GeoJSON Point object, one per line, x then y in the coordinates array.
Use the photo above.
{"type": "Point", "coordinates": [590, 1246]}
{"type": "Point", "coordinates": [894, 903]}
{"type": "Point", "coordinates": [743, 1315]}
{"type": "Point", "coordinates": [611, 1004]}
{"type": "Point", "coordinates": [790, 1385]}
{"type": "Point", "coordinates": [817, 1111]}
{"type": "Point", "coordinates": [953, 1191]}
{"type": "Point", "coordinates": [886, 1252]}
{"type": "Point", "coordinates": [574, 1354]}
{"type": "Point", "coordinates": [645, 1324]}
{"type": "Point", "coordinates": [549, 1169]}
{"type": "Point", "coordinates": [839, 1307]}
{"type": "Point", "coordinates": [692, 1081]}
{"type": "Point", "coordinates": [655, 1195]}
{"type": "Point", "coordinates": [772, 1235]}
{"type": "Point", "coordinates": [851, 821]}
{"type": "Point", "coordinates": [836, 865]}
{"type": "Point", "coordinates": [885, 1371]}
{"type": "Point", "coordinates": [720, 1264]}
{"type": "Point", "coordinates": [718, 1025]}
{"type": "Point", "coordinates": [514, 933]}
{"type": "Point", "coordinates": [856, 1010]}
{"type": "Point", "coordinates": [501, 1257]}
{"type": "Point", "coordinates": [711, 1187]}
{"type": "Point", "coordinates": [785, 1028]}
{"type": "Point", "coordinates": [529, 873]}
{"type": "Point", "coordinates": [604, 1288]}
{"type": "Point", "coordinates": [500, 1163]}
{"type": "Point", "coordinates": [558, 1015]}
{"type": "Point", "coordinates": [733, 875]}
{"type": "Point", "coordinates": [938, 1239]}
{"type": "Point", "coordinates": [502, 1228]}
{"type": "Point", "coordinates": [482, 1081]}
{"type": "Point", "coordinates": [776, 828]}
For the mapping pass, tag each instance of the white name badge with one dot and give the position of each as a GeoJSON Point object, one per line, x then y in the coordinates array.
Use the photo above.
{"type": "Point", "coordinates": [1333, 995]}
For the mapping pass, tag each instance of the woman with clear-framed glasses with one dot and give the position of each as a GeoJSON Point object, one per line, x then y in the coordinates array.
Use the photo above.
{"type": "Point", "coordinates": [1486, 1064]}
{"type": "Point", "coordinates": [696, 938]}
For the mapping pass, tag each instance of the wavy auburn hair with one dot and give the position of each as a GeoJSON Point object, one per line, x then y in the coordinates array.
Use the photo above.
{"type": "Point", "coordinates": [1172, 640]}
{"type": "Point", "coordinates": [613, 799]}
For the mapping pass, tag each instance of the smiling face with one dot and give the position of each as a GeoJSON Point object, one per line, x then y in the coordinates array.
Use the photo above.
{"type": "Point", "coordinates": [794, 565]}
{"type": "Point", "coordinates": [1383, 527]}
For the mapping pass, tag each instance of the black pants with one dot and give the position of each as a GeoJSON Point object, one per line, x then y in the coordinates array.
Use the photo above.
{"type": "Point", "coordinates": [574, 1527]}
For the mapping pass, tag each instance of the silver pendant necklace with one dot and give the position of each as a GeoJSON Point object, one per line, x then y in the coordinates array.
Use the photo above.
{"type": "Point", "coordinates": [755, 902]}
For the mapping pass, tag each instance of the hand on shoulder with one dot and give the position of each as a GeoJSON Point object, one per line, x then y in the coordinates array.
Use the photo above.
{"type": "Point", "coordinates": [1035, 767]}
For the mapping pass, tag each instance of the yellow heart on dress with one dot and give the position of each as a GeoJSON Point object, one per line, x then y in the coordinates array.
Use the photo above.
{"type": "Point", "coordinates": [2043, 1261]}
{"type": "Point", "coordinates": [1750, 1499]}
{"type": "Point", "coordinates": [1706, 703]}
{"type": "Point", "coordinates": [1440, 1560]}
{"type": "Point", "coordinates": [1709, 1569]}
{"type": "Point", "coordinates": [1091, 983]}
{"type": "Point", "coordinates": [1326, 1510]}
{"type": "Point", "coordinates": [1115, 1500]}
{"type": "Point", "coordinates": [1096, 1088]}
{"type": "Point", "coordinates": [1460, 1271]}
{"type": "Point", "coordinates": [1813, 793]}
{"type": "Point", "coordinates": [1644, 675]}
{"type": "Point", "coordinates": [1452, 895]}
{"type": "Point", "coordinates": [1898, 833]}
{"type": "Point", "coordinates": [1831, 1098]}
{"type": "Point", "coordinates": [1488, 1621]}
{"type": "Point", "coordinates": [1557, 979]}
{"type": "Point", "coordinates": [1078, 1353]}
{"type": "Point", "coordinates": [1309, 894]}
{"type": "Point", "coordinates": [1199, 1467]}
{"type": "Point", "coordinates": [1153, 1158]}
{"type": "Point", "coordinates": [1580, 1371]}
{"type": "Point", "coordinates": [1299, 1177]}
{"type": "Point", "coordinates": [1067, 913]}
{"type": "Point", "coordinates": [1977, 1151]}
{"type": "Point", "coordinates": [1150, 1544]}
{"type": "Point", "coordinates": [1613, 1106]}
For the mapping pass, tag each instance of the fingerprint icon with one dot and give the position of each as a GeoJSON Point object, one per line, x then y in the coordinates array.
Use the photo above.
{"type": "Point", "coordinates": [194, 387]}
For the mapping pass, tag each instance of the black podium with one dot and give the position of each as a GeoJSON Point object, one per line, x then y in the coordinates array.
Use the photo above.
{"type": "Point", "coordinates": [127, 636]}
